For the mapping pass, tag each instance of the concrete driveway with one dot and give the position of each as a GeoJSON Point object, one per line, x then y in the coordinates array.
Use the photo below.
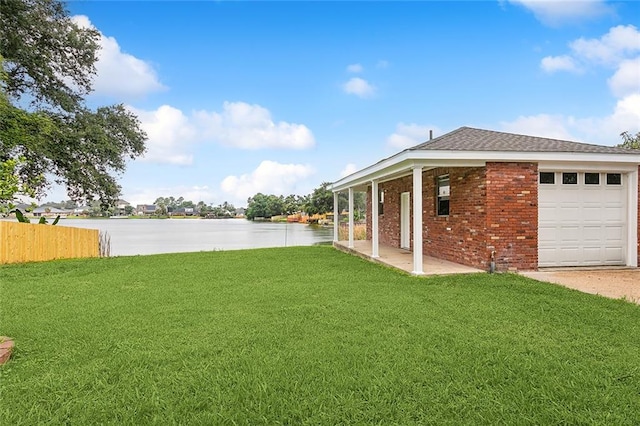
{"type": "Point", "coordinates": [613, 283]}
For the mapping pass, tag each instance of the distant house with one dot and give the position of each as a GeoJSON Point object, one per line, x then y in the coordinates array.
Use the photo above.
{"type": "Point", "coordinates": [146, 209]}
{"type": "Point", "coordinates": [183, 211]}
{"type": "Point", "coordinates": [23, 207]}
{"type": "Point", "coordinates": [240, 212]}
{"type": "Point", "coordinates": [82, 210]}
{"type": "Point", "coordinates": [50, 211]}
{"type": "Point", "coordinates": [121, 206]}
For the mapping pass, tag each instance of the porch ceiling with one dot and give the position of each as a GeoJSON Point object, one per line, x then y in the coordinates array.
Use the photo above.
{"type": "Point", "coordinates": [362, 179]}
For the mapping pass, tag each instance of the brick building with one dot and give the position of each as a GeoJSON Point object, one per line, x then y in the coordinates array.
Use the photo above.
{"type": "Point", "coordinates": [527, 202]}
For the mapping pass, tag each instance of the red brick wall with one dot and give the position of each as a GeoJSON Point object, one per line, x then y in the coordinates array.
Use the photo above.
{"type": "Point", "coordinates": [491, 208]}
{"type": "Point", "coordinates": [512, 215]}
{"type": "Point", "coordinates": [459, 237]}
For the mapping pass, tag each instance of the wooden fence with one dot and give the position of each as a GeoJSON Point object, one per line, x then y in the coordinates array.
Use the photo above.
{"type": "Point", "coordinates": [27, 242]}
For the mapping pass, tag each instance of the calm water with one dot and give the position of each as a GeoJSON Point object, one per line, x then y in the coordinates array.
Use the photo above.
{"type": "Point", "coordinates": [151, 236]}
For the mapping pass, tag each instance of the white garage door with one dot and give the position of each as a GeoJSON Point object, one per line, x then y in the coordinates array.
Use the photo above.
{"type": "Point", "coordinates": [581, 219]}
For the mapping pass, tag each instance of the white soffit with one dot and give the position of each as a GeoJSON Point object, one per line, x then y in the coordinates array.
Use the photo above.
{"type": "Point", "coordinates": [401, 163]}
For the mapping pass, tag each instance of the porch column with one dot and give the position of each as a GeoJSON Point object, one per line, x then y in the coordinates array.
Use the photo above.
{"type": "Point", "coordinates": [417, 221]}
{"type": "Point", "coordinates": [374, 219]}
{"type": "Point", "coordinates": [351, 226]}
{"type": "Point", "coordinates": [336, 217]}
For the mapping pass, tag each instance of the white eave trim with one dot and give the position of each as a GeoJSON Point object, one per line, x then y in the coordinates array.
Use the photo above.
{"type": "Point", "coordinates": [401, 163]}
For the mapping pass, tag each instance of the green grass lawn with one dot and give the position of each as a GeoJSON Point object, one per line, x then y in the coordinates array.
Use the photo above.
{"type": "Point", "coordinates": [307, 335]}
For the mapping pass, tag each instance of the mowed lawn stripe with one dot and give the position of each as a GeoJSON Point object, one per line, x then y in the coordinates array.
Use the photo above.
{"type": "Point", "coordinates": [307, 335]}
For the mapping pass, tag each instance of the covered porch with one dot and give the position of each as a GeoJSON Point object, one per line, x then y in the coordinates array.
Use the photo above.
{"type": "Point", "coordinates": [409, 256]}
{"type": "Point", "coordinates": [403, 259]}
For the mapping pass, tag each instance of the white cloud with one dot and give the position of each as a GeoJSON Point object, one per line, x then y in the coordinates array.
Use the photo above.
{"type": "Point", "coordinates": [246, 126]}
{"type": "Point", "coordinates": [269, 177]}
{"type": "Point", "coordinates": [559, 63]}
{"type": "Point", "coordinates": [170, 133]}
{"type": "Point", "coordinates": [544, 125]}
{"type": "Point", "coordinates": [619, 43]}
{"type": "Point", "coordinates": [600, 130]}
{"type": "Point", "coordinates": [618, 49]}
{"type": "Point", "coordinates": [348, 169]}
{"type": "Point", "coordinates": [626, 79]}
{"type": "Point", "coordinates": [120, 74]}
{"type": "Point", "coordinates": [558, 12]}
{"type": "Point", "coordinates": [359, 87]}
{"type": "Point", "coordinates": [606, 130]}
{"type": "Point", "coordinates": [382, 64]}
{"type": "Point", "coordinates": [355, 68]}
{"type": "Point", "coordinates": [408, 135]}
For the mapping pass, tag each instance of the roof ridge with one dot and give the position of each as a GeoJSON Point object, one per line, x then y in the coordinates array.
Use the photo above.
{"type": "Point", "coordinates": [538, 137]}
{"type": "Point", "coordinates": [467, 138]}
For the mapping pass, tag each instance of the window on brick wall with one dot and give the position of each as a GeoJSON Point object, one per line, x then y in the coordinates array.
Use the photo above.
{"type": "Point", "coordinates": [380, 202]}
{"type": "Point", "coordinates": [442, 196]}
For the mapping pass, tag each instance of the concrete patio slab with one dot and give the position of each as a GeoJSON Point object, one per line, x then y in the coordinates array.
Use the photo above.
{"type": "Point", "coordinates": [403, 259]}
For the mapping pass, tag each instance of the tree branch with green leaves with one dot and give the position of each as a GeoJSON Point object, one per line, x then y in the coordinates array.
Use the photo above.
{"type": "Point", "coordinates": [630, 141]}
{"type": "Point", "coordinates": [47, 63]}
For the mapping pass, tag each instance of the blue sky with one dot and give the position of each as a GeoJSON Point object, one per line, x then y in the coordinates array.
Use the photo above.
{"type": "Point", "coordinates": [277, 97]}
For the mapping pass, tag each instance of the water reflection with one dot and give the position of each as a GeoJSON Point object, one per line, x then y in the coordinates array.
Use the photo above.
{"type": "Point", "coordinates": [151, 236]}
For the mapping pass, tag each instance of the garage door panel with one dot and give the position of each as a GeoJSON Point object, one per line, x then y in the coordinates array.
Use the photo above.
{"type": "Point", "coordinates": [591, 213]}
{"type": "Point", "coordinates": [582, 224]}
{"type": "Point", "coordinates": [569, 255]}
{"type": "Point", "coordinates": [547, 234]}
{"type": "Point", "coordinates": [591, 234]}
{"type": "Point", "coordinates": [547, 256]}
{"type": "Point", "coordinates": [568, 234]}
{"type": "Point", "coordinates": [612, 194]}
{"type": "Point", "coordinates": [567, 212]}
{"type": "Point", "coordinates": [614, 235]}
{"type": "Point", "coordinates": [591, 255]}
{"type": "Point", "coordinates": [613, 255]}
{"type": "Point", "coordinates": [613, 213]}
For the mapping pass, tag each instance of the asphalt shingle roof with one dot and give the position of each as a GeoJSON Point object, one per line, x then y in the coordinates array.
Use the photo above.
{"type": "Point", "coordinates": [470, 139]}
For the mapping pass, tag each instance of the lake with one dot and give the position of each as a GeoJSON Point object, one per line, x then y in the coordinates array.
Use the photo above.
{"type": "Point", "coordinates": [152, 236]}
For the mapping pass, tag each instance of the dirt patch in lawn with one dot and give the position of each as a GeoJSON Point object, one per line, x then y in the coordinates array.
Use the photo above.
{"type": "Point", "coordinates": [614, 283]}
{"type": "Point", "coordinates": [6, 347]}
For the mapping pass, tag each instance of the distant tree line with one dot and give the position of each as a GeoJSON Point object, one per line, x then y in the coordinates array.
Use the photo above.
{"type": "Point", "coordinates": [320, 201]}
{"type": "Point", "coordinates": [170, 205]}
{"type": "Point", "coordinates": [165, 206]}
